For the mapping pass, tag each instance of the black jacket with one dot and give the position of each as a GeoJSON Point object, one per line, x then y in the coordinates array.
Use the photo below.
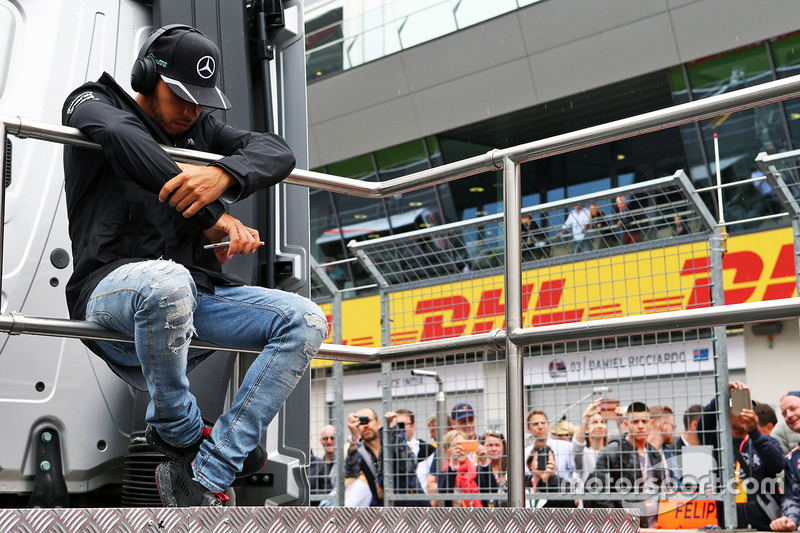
{"type": "Point", "coordinates": [620, 460]}
{"type": "Point", "coordinates": [791, 484]}
{"type": "Point", "coordinates": [446, 481]}
{"type": "Point", "coordinates": [763, 460]}
{"type": "Point", "coordinates": [115, 216]}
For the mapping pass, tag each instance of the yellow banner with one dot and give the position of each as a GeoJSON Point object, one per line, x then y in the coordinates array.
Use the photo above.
{"type": "Point", "coordinates": [756, 267]}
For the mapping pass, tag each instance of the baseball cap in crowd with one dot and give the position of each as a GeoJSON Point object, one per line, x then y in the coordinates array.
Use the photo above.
{"type": "Point", "coordinates": [461, 411]}
{"type": "Point", "coordinates": [189, 63]}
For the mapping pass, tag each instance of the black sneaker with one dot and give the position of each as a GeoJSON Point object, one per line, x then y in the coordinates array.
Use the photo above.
{"type": "Point", "coordinates": [177, 487]}
{"type": "Point", "coordinates": [253, 463]}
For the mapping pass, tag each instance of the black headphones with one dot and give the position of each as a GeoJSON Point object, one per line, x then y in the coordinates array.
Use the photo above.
{"type": "Point", "coordinates": [144, 75]}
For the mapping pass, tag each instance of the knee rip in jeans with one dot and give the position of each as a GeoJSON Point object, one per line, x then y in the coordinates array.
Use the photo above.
{"type": "Point", "coordinates": [179, 317]}
{"type": "Point", "coordinates": [315, 321]}
{"type": "Point", "coordinates": [319, 326]}
{"type": "Point", "coordinates": [309, 351]}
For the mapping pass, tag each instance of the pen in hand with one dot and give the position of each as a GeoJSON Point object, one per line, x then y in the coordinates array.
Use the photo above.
{"type": "Point", "coordinates": [223, 245]}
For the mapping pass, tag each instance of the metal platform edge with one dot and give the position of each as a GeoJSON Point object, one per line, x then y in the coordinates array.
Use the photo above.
{"type": "Point", "coordinates": [322, 520]}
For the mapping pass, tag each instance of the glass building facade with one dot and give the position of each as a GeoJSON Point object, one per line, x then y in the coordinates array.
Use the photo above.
{"type": "Point", "coordinates": [371, 30]}
{"type": "Point", "coordinates": [338, 219]}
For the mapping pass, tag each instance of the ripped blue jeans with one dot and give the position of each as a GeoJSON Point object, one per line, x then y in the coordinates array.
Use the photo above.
{"type": "Point", "coordinates": [158, 303]}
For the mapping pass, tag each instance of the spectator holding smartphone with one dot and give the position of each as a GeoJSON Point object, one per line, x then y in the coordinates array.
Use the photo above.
{"type": "Point", "coordinates": [460, 475]}
{"type": "Point", "coordinates": [542, 479]}
{"type": "Point", "coordinates": [757, 457]}
{"type": "Point", "coordinates": [539, 428]}
{"type": "Point", "coordinates": [365, 455]}
{"type": "Point", "coordinates": [591, 438]}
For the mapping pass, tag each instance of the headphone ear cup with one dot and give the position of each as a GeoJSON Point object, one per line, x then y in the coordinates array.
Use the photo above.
{"type": "Point", "coordinates": [144, 75]}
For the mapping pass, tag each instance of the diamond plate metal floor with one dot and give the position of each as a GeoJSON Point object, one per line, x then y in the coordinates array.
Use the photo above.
{"type": "Point", "coordinates": [322, 520]}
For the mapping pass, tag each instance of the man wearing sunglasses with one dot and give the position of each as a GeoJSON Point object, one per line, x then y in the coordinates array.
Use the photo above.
{"type": "Point", "coordinates": [320, 470]}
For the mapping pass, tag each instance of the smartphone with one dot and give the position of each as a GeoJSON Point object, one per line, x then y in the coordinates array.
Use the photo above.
{"type": "Point", "coordinates": [542, 456]}
{"type": "Point", "coordinates": [470, 446]}
{"type": "Point", "coordinates": [363, 420]}
{"type": "Point", "coordinates": [740, 399]}
{"type": "Point", "coordinates": [609, 405]}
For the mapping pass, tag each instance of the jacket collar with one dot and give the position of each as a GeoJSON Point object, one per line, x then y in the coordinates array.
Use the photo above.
{"type": "Point", "coordinates": [152, 126]}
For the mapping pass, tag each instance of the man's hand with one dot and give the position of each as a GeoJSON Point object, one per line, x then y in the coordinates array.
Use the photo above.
{"type": "Point", "coordinates": [391, 417]}
{"type": "Point", "coordinates": [749, 420]}
{"type": "Point", "coordinates": [550, 468]}
{"type": "Point", "coordinates": [195, 187]}
{"type": "Point", "coordinates": [352, 425]}
{"type": "Point", "coordinates": [483, 456]}
{"type": "Point", "coordinates": [243, 240]}
{"type": "Point", "coordinates": [737, 385]}
{"type": "Point", "coordinates": [783, 524]}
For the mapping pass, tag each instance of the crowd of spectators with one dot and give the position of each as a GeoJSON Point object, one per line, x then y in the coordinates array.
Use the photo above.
{"type": "Point", "coordinates": [626, 223]}
{"type": "Point", "coordinates": [645, 453]}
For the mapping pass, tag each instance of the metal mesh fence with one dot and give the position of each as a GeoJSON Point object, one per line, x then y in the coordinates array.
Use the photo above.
{"type": "Point", "coordinates": [553, 234]}
{"type": "Point", "coordinates": [782, 173]}
{"type": "Point", "coordinates": [641, 249]}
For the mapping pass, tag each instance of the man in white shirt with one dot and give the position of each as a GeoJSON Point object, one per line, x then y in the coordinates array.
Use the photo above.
{"type": "Point", "coordinates": [539, 428]}
{"type": "Point", "coordinates": [577, 223]}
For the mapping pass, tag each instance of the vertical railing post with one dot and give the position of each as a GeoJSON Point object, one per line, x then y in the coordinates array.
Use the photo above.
{"type": "Point", "coordinates": [724, 437]}
{"type": "Point", "coordinates": [512, 204]}
{"type": "Point", "coordinates": [386, 381]}
{"type": "Point", "coordinates": [341, 423]}
{"type": "Point", "coordinates": [338, 401]}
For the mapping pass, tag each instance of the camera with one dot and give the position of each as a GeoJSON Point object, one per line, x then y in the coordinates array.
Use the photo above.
{"type": "Point", "coordinates": [363, 420]}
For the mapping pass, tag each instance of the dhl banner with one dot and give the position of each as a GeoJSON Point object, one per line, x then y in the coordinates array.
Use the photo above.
{"type": "Point", "coordinates": [756, 267]}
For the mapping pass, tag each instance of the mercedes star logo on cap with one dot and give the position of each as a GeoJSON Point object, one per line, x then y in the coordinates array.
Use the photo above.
{"type": "Point", "coordinates": [206, 67]}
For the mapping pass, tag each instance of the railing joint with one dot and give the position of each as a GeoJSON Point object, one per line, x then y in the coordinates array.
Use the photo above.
{"type": "Point", "coordinates": [495, 160]}
{"type": "Point", "coordinates": [10, 125]}
{"type": "Point", "coordinates": [17, 323]}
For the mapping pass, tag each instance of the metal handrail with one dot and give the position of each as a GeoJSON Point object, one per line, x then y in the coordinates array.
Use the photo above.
{"type": "Point", "coordinates": [678, 179]}
{"type": "Point", "coordinates": [18, 324]}
{"type": "Point", "coordinates": [498, 217]}
{"type": "Point", "coordinates": [686, 319]}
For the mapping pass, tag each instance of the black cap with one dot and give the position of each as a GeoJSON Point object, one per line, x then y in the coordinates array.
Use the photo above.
{"type": "Point", "coordinates": [189, 62]}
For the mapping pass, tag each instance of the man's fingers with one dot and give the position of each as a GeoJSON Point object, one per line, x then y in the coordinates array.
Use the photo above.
{"type": "Point", "coordinates": [189, 211]}
{"type": "Point", "coordinates": [169, 187]}
{"type": "Point", "coordinates": [180, 197]}
{"type": "Point", "coordinates": [222, 255]}
{"type": "Point", "coordinates": [243, 240]}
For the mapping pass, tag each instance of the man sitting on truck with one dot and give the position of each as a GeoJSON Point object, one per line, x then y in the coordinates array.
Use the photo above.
{"type": "Point", "coordinates": [138, 224]}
